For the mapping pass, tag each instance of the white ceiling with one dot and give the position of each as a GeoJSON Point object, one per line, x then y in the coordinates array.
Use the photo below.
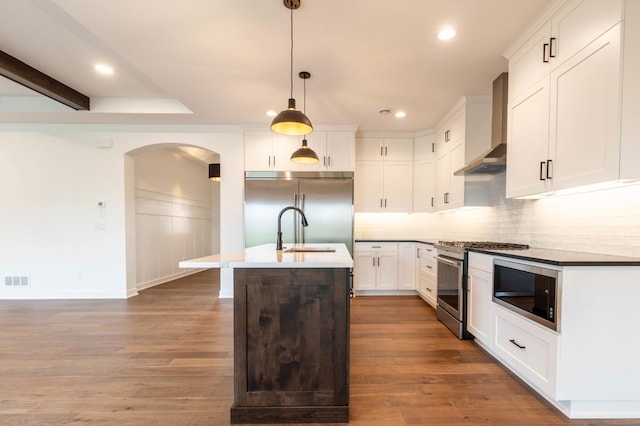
{"type": "Point", "coordinates": [227, 61]}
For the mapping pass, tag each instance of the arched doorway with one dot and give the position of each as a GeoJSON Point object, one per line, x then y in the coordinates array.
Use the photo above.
{"type": "Point", "coordinates": [176, 210]}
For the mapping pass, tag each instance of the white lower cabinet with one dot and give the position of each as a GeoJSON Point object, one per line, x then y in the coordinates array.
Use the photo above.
{"type": "Point", "coordinates": [588, 367]}
{"type": "Point", "coordinates": [426, 281]}
{"type": "Point", "coordinates": [406, 266]}
{"type": "Point", "coordinates": [375, 266]}
{"type": "Point", "coordinates": [528, 348]}
{"type": "Point", "coordinates": [479, 303]}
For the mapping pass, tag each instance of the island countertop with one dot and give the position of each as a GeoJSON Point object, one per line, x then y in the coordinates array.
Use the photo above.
{"type": "Point", "coordinates": [266, 256]}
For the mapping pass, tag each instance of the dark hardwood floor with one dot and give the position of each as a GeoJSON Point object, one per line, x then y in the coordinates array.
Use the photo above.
{"type": "Point", "coordinates": [165, 358]}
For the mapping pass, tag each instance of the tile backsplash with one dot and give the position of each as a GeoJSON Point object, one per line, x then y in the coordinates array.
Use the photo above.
{"type": "Point", "coordinates": [606, 221]}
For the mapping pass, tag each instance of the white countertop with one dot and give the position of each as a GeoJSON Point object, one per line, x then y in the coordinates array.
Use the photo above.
{"type": "Point", "coordinates": [266, 256]}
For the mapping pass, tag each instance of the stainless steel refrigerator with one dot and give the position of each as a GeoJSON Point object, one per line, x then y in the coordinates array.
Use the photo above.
{"type": "Point", "coordinates": [325, 197]}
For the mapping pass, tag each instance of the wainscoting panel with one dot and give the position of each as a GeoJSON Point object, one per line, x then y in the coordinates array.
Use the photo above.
{"type": "Point", "coordinates": [169, 229]}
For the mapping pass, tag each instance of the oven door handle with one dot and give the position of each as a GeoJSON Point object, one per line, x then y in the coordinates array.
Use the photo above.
{"type": "Point", "coordinates": [455, 263]}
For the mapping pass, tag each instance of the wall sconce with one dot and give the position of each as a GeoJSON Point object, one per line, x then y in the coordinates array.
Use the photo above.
{"type": "Point", "coordinates": [214, 172]}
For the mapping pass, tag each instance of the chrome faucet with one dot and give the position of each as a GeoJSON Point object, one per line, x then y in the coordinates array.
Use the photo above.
{"type": "Point", "coordinates": [304, 223]}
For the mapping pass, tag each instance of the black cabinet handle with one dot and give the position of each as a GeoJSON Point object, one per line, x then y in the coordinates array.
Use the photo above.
{"type": "Point", "coordinates": [552, 48]}
{"type": "Point", "coordinates": [433, 147]}
{"type": "Point", "coordinates": [432, 201]}
{"type": "Point", "coordinates": [542, 164]}
{"type": "Point", "coordinates": [517, 344]}
{"type": "Point", "coordinates": [418, 253]}
{"type": "Point", "coordinates": [545, 53]}
{"type": "Point", "coordinates": [549, 171]}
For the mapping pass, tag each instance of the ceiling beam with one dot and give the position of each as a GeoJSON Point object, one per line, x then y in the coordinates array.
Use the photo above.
{"type": "Point", "coordinates": [21, 73]}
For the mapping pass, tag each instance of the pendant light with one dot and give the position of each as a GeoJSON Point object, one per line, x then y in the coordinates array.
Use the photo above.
{"type": "Point", "coordinates": [214, 172]}
{"type": "Point", "coordinates": [291, 121]}
{"type": "Point", "coordinates": [304, 154]}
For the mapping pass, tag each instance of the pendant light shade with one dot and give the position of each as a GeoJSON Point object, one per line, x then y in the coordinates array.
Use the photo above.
{"type": "Point", "coordinates": [291, 121]}
{"type": "Point", "coordinates": [214, 172]}
{"type": "Point", "coordinates": [304, 154]}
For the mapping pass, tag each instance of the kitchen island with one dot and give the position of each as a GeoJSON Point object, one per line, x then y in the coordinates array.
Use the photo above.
{"type": "Point", "coordinates": [291, 332]}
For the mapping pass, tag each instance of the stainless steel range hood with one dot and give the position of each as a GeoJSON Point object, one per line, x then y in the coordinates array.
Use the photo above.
{"type": "Point", "coordinates": [493, 161]}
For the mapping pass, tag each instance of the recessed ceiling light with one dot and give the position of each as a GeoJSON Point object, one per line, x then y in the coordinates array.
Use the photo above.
{"type": "Point", "coordinates": [104, 69]}
{"type": "Point", "coordinates": [401, 114]}
{"type": "Point", "coordinates": [271, 113]}
{"type": "Point", "coordinates": [384, 110]}
{"type": "Point", "coordinates": [446, 33]}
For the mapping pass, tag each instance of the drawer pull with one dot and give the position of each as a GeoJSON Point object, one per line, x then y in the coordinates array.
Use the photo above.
{"type": "Point", "coordinates": [429, 290]}
{"type": "Point", "coordinates": [517, 344]}
{"type": "Point", "coordinates": [430, 267]}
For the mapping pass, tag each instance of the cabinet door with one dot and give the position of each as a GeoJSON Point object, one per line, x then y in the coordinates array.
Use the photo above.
{"type": "Point", "coordinates": [340, 153]}
{"type": "Point", "coordinates": [424, 186]}
{"type": "Point", "coordinates": [368, 186]}
{"type": "Point", "coordinates": [387, 274]}
{"type": "Point", "coordinates": [369, 149]}
{"type": "Point", "coordinates": [443, 176]}
{"type": "Point", "coordinates": [456, 183]}
{"type": "Point", "coordinates": [585, 131]}
{"type": "Point", "coordinates": [397, 188]}
{"type": "Point", "coordinates": [578, 24]}
{"type": "Point", "coordinates": [406, 266]}
{"type": "Point", "coordinates": [455, 128]}
{"type": "Point", "coordinates": [480, 284]}
{"type": "Point", "coordinates": [398, 149]}
{"type": "Point", "coordinates": [365, 268]}
{"type": "Point", "coordinates": [283, 147]}
{"type": "Point", "coordinates": [527, 66]}
{"type": "Point", "coordinates": [424, 147]}
{"type": "Point", "coordinates": [258, 150]}
{"type": "Point", "coordinates": [528, 141]}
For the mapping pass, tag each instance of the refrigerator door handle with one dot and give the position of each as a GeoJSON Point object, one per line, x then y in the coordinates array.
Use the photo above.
{"type": "Point", "coordinates": [304, 198]}
{"type": "Point", "coordinates": [295, 219]}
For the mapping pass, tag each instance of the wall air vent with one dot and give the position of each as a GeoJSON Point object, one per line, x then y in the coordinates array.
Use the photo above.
{"type": "Point", "coordinates": [16, 281]}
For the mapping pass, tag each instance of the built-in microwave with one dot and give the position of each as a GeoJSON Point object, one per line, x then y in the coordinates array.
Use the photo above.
{"type": "Point", "coordinates": [531, 291]}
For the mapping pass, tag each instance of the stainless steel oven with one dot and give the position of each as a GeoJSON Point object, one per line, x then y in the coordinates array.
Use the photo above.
{"type": "Point", "coordinates": [452, 273]}
{"type": "Point", "coordinates": [452, 262]}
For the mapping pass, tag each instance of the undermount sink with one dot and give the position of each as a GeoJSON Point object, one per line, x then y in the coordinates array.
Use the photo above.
{"type": "Point", "coordinates": [309, 250]}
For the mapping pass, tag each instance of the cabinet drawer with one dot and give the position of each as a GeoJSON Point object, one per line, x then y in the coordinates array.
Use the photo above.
{"type": "Point", "coordinates": [376, 247]}
{"type": "Point", "coordinates": [428, 264]}
{"type": "Point", "coordinates": [527, 349]}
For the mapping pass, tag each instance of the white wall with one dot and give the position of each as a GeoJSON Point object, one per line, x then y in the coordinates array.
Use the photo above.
{"type": "Point", "coordinates": [605, 221]}
{"type": "Point", "coordinates": [175, 217]}
{"type": "Point", "coordinates": [51, 178]}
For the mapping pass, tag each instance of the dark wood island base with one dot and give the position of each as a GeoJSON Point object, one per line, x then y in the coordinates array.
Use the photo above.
{"type": "Point", "coordinates": [291, 345]}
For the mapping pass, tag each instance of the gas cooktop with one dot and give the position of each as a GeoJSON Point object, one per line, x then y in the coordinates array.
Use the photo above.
{"type": "Point", "coordinates": [491, 245]}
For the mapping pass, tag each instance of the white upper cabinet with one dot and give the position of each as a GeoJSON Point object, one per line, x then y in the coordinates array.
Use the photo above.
{"type": "Point", "coordinates": [384, 175]}
{"type": "Point", "coordinates": [463, 135]}
{"type": "Point", "coordinates": [571, 110]}
{"type": "Point", "coordinates": [388, 149]}
{"type": "Point", "coordinates": [265, 150]}
{"type": "Point", "coordinates": [336, 151]}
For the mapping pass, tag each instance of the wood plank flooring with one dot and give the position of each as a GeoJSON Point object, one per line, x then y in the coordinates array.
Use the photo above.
{"type": "Point", "coordinates": [165, 358]}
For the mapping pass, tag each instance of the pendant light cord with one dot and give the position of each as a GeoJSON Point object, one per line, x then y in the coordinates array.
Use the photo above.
{"type": "Point", "coordinates": [291, 55]}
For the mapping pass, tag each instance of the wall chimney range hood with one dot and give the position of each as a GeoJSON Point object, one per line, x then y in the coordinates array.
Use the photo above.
{"type": "Point", "coordinates": [493, 161]}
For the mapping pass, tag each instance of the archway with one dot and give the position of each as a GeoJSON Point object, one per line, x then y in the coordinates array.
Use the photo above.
{"type": "Point", "coordinates": [176, 210]}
